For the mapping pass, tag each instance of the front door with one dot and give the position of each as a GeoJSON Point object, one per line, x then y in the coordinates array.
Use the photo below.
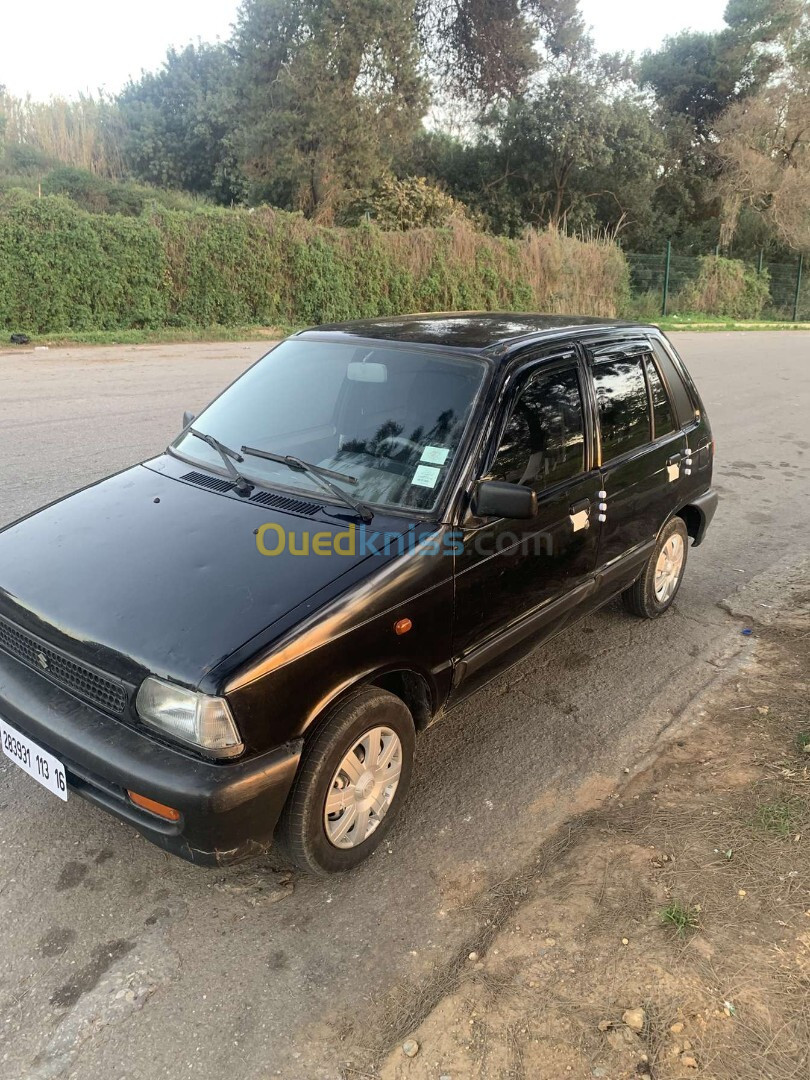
{"type": "Point", "coordinates": [517, 581]}
{"type": "Point", "coordinates": [643, 459]}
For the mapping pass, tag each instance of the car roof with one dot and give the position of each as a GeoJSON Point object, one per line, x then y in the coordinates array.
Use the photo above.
{"type": "Point", "coordinates": [470, 331]}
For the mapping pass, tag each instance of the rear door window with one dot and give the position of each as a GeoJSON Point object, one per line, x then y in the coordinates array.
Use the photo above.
{"type": "Point", "coordinates": [621, 395]}
{"type": "Point", "coordinates": [663, 416]}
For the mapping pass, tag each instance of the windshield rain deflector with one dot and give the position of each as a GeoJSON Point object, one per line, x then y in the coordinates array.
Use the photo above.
{"type": "Point", "coordinates": [384, 424]}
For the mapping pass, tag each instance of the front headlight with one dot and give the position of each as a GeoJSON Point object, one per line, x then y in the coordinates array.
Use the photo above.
{"type": "Point", "coordinates": [197, 719]}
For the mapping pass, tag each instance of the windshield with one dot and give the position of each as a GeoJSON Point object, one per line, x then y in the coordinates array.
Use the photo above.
{"type": "Point", "coordinates": [389, 419]}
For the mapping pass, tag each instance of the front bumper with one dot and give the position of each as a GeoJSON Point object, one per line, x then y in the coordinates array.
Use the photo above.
{"type": "Point", "coordinates": [228, 810]}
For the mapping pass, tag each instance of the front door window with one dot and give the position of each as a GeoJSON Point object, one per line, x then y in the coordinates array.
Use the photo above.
{"type": "Point", "coordinates": [544, 441]}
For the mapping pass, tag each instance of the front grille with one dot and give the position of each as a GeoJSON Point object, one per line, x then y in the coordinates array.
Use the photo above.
{"type": "Point", "coordinates": [60, 669]}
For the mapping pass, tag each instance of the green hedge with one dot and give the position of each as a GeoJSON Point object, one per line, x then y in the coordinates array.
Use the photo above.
{"type": "Point", "coordinates": [62, 269]}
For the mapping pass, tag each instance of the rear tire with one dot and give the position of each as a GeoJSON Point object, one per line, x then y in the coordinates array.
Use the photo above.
{"type": "Point", "coordinates": [370, 727]}
{"type": "Point", "coordinates": [655, 590]}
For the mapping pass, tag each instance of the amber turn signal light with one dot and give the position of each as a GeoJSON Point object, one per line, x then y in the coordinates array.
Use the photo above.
{"type": "Point", "coordinates": [166, 812]}
{"type": "Point", "coordinates": [402, 626]}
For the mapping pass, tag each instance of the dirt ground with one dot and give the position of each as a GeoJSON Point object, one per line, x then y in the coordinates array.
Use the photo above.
{"type": "Point", "coordinates": [664, 936]}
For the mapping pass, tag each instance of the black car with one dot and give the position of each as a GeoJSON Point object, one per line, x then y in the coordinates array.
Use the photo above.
{"type": "Point", "coordinates": [241, 638]}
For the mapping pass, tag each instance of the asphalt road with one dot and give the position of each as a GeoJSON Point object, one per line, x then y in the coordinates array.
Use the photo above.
{"type": "Point", "coordinates": [118, 961]}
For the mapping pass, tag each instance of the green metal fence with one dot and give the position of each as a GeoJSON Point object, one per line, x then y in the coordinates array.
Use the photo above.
{"type": "Point", "coordinates": [658, 284]}
{"type": "Point", "coordinates": [790, 295]}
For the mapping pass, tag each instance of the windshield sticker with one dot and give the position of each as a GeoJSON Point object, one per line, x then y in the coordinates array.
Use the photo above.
{"type": "Point", "coordinates": [435, 455]}
{"type": "Point", "coordinates": [425, 476]}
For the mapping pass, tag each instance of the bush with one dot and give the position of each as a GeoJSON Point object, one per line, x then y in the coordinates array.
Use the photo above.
{"type": "Point", "coordinates": [643, 306]}
{"type": "Point", "coordinates": [24, 160]}
{"type": "Point", "coordinates": [411, 203]}
{"type": "Point", "coordinates": [726, 287]}
{"type": "Point", "coordinates": [94, 193]}
{"type": "Point", "coordinates": [99, 195]}
{"type": "Point", "coordinates": [62, 268]}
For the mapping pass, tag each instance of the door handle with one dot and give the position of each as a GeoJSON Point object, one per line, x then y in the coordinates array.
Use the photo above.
{"type": "Point", "coordinates": [580, 515]}
{"type": "Point", "coordinates": [674, 459]}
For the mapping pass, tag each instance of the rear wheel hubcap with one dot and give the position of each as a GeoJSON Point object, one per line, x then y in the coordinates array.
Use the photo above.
{"type": "Point", "coordinates": [668, 568]}
{"type": "Point", "coordinates": [363, 788]}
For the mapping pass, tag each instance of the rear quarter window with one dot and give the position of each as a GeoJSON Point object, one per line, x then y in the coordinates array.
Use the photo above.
{"type": "Point", "coordinates": [678, 392]}
{"type": "Point", "coordinates": [663, 416]}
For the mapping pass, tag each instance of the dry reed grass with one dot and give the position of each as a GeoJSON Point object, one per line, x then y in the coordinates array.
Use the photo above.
{"type": "Point", "coordinates": [77, 133]}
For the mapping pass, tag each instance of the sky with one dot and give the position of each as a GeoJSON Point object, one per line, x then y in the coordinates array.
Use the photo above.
{"type": "Point", "coordinates": [55, 47]}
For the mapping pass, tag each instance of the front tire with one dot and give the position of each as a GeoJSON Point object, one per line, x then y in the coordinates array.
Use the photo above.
{"type": "Point", "coordinates": [654, 592]}
{"type": "Point", "coordinates": [354, 774]}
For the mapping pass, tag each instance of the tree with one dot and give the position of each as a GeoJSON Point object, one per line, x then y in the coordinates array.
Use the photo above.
{"type": "Point", "coordinates": [570, 153]}
{"type": "Point", "coordinates": [778, 25]}
{"type": "Point", "coordinates": [698, 76]}
{"type": "Point", "coordinates": [472, 171]}
{"type": "Point", "coordinates": [695, 76]}
{"type": "Point", "coordinates": [179, 124]}
{"type": "Point", "coordinates": [697, 79]}
{"type": "Point", "coordinates": [573, 155]}
{"type": "Point", "coordinates": [765, 149]}
{"type": "Point", "coordinates": [329, 88]}
{"type": "Point", "coordinates": [548, 140]}
{"type": "Point", "coordinates": [486, 50]}
{"type": "Point", "coordinates": [764, 139]}
{"type": "Point", "coordinates": [621, 190]}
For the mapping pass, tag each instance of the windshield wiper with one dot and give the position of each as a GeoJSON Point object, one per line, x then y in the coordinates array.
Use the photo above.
{"type": "Point", "coordinates": [242, 484]}
{"type": "Point", "coordinates": [321, 475]}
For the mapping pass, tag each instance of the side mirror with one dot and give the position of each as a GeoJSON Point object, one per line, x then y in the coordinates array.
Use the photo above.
{"type": "Point", "coordinates": [493, 498]}
{"type": "Point", "coordinates": [188, 419]}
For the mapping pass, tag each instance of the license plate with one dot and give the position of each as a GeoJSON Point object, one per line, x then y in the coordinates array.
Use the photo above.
{"type": "Point", "coordinates": [38, 763]}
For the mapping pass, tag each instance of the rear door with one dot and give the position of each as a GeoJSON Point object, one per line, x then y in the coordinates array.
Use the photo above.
{"type": "Point", "coordinates": [642, 457]}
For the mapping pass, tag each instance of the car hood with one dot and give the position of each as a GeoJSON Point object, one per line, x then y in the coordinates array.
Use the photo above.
{"type": "Point", "coordinates": [143, 572]}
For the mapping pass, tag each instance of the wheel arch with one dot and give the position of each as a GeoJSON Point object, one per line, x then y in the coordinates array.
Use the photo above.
{"type": "Point", "coordinates": [411, 688]}
{"type": "Point", "coordinates": [414, 688]}
{"type": "Point", "coordinates": [695, 521]}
